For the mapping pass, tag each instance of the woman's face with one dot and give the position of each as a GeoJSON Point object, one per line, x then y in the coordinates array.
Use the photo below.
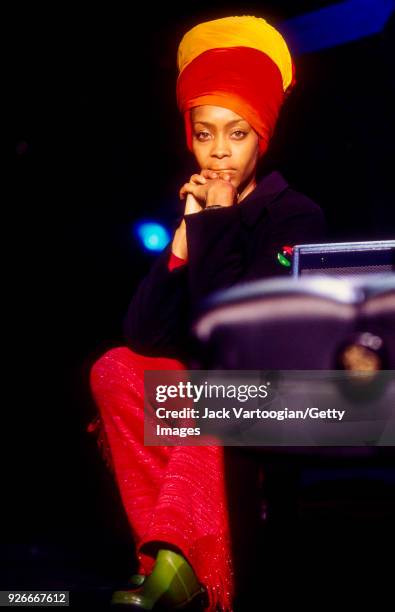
{"type": "Point", "coordinates": [222, 140]}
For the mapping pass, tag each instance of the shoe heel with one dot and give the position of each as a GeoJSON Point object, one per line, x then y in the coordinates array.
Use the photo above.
{"type": "Point", "coordinates": [197, 603]}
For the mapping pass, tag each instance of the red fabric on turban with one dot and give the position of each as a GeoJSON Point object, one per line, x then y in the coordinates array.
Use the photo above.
{"type": "Point", "coordinates": [240, 78]}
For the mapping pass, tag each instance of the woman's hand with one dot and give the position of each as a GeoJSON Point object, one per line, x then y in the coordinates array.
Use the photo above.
{"type": "Point", "coordinates": [192, 204]}
{"type": "Point", "coordinates": [206, 189]}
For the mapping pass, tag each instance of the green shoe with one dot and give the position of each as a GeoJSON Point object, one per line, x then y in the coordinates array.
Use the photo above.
{"type": "Point", "coordinates": [172, 585]}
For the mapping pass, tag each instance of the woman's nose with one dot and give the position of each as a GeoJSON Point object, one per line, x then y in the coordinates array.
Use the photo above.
{"type": "Point", "coordinates": [220, 148]}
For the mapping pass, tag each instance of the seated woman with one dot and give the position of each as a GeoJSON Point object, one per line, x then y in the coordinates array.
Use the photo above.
{"type": "Point", "coordinates": [234, 74]}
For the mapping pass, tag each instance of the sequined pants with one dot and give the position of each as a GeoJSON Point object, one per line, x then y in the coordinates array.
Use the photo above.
{"type": "Point", "coordinates": [172, 494]}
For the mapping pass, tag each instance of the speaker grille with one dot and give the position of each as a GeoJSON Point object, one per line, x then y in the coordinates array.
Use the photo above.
{"type": "Point", "coordinates": [345, 259]}
{"type": "Point", "coordinates": [343, 271]}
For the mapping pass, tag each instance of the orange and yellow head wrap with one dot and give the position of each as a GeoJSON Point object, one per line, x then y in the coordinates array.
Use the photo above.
{"type": "Point", "coordinates": [241, 63]}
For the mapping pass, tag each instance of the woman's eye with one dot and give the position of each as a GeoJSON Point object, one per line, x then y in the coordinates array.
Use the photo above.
{"type": "Point", "coordinates": [239, 133]}
{"type": "Point", "coordinates": [199, 134]}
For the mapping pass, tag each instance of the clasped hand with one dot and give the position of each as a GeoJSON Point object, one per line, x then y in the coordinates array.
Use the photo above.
{"type": "Point", "coordinates": [203, 190]}
{"type": "Point", "coordinates": [206, 189]}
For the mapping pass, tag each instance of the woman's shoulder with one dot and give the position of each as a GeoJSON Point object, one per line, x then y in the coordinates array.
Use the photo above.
{"type": "Point", "coordinates": [292, 216]}
{"type": "Point", "coordinates": [285, 200]}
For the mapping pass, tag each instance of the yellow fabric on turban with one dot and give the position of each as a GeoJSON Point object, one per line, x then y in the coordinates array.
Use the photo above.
{"type": "Point", "coordinates": [241, 31]}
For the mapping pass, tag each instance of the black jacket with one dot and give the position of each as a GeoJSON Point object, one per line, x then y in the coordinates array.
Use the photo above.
{"type": "Point", "coordinates": [225, 246]}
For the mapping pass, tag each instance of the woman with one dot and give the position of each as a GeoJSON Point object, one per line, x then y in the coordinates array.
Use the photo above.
{"type": "Point", "coordinates": [234, 74]}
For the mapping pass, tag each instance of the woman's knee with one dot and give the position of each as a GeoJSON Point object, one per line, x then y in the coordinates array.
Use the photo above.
{"type": "Point", "coordinates": [113, 367]}
{"type": "Point", "coordinates": [122, 370]}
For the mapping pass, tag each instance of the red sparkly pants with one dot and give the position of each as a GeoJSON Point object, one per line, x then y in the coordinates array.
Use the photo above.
{"type": "Point", "coordinates": [171, 494]}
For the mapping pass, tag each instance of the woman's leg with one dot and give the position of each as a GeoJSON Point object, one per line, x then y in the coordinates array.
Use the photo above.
{"type": "Point", "coordinates": [117, 383]}
{"type": "Point", "coordinates": [171, 494]}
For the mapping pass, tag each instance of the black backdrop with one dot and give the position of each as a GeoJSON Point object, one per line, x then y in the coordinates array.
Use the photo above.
{"type": "Point", "coordinates": [99, 144]}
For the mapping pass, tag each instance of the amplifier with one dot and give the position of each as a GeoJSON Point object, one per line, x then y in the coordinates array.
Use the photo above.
{"type": "Point", "coordinates": [341, 259]}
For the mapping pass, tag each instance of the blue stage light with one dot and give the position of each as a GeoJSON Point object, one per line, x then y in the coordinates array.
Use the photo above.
{"type": "Point", "coordinates": [153, 236]}
{"type": "Point", "coordinates": [337, 24]}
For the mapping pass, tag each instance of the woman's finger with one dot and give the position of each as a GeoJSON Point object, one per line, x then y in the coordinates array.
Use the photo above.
{"type": "Point", "coordinates": [209, 173]}
{"type": "Point", "coordinates": [183, 192]}
{"type": "Point", "coordinates": [188, 188]}
{"type": "Point", "coordinates": [198, 178]}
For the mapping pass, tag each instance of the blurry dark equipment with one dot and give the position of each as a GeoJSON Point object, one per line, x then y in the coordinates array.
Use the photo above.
{"type": "Point", "coordinates": [298, 323]}
{"type": "Point", "coordinates": [312, 322]}
{"type": "Point", "coordinates": [343, 259]}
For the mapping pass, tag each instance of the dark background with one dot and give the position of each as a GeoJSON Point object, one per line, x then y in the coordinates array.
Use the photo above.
{"type": "Point", "coordinates": [99, 144]}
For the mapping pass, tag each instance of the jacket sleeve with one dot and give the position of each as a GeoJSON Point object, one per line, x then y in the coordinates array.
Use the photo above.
{"type": "Point", "coordinates": [156, 322]}
{"type": "Point", "coordinates": [215, 257]}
